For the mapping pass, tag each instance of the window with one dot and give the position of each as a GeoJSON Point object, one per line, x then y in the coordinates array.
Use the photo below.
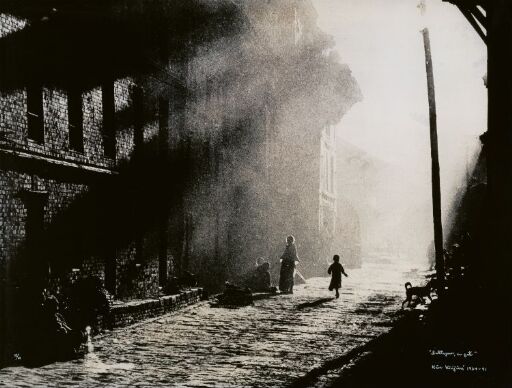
{"type": "Point", "coordinates": [35, 114]}
{"type": "Point", "coordinates": [110, 270]}
{"type": "Point", "coordinates": [37, 266]}
{"type": "Point", "coordinates": [326, 176]}
{"type": "Point", "coordinates": [163, 125]}
{"type": "Point", "coordinates": [138, 117]}
{"type": "Point", "coordinates": [109, 129]}
{"type": "Point", "coordinates": [35, 220]}
{"type": "Point", "coordinates": [326, 173]}
{"type": "Point", "coordinates": [332, 174]}
{"type": "Point", "coordinates": [323, 172]}
{"type": "Point", "coordinates": [75, 118]}
{"type": "Point", "coordinates": [163, 267]}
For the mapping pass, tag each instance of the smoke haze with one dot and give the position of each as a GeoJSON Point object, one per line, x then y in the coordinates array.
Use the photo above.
{"type": "Point", "coordinates": [382, 44]}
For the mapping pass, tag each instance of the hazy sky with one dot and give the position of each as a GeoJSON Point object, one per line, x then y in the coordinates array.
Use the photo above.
{"type": "Point", "coordinates": [381, 42]}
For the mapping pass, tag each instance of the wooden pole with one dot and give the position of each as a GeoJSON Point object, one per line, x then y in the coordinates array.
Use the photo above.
{"type": "Point", "coordinates": [436, 184]}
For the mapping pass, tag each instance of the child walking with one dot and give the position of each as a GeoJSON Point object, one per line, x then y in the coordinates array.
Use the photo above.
{"type": "Point", "coordinates": [336, 269]}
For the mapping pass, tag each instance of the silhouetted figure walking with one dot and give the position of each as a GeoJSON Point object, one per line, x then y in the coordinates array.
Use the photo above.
{"type": "Point", "coordinates": [289, 259]}
{"type": "Point", "coordinates": [336, 269]}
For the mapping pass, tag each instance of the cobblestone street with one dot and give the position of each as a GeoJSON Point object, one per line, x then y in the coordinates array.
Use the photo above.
{"type": "Point", "coordinates": [267, 345]}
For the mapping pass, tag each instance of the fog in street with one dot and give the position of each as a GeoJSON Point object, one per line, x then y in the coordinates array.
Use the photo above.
{"type": "Point", "coordinates": [382, 44]}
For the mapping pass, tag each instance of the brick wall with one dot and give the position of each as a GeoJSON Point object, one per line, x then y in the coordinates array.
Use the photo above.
{"type": "Point", "coordinates": [132, 279]}
{"type": "Point", "coordinates": [136, 279]}
{"type": "Point", "coordinates": [122, 102]}
{"type": "Point", "coordinates": [10, 24]}
{"type": "Point", "coordinates": [93, 122]}
{"type": "Point", "coordinates": [13, 210]}
{"type": "Point", "coordinates": [13, 127]}
{"type": "Point", "coordinates": [12, 215]}
{"type": "Point", "coordinates": [93, 266]}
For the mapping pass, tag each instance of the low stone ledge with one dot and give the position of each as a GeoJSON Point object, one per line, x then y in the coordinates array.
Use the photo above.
{"type": "Point", "coordinates": [128, 313]}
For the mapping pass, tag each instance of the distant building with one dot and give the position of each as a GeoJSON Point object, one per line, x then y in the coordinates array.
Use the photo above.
{"type": "Point", "coordinates": [393, 218]}
{"type": "Point", "coordinates": [347, 236]}
{"type": "Point", "coordinates": [271, 148]}
{"type": "Point", "coordinates": [357, 177]}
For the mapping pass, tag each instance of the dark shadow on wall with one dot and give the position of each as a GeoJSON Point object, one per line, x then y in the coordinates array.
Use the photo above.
{"type": "Point", "coordinates": [469, 224]}
{"type": "Point", "coordinates": [85, 43]}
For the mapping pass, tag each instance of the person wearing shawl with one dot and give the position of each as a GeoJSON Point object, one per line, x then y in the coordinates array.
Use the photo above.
{"type": "Point", "coordinates": [289, 259]}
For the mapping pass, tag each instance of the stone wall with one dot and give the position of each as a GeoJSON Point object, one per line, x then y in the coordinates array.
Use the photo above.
{"type": "Point", "coordinates": [128, 313]}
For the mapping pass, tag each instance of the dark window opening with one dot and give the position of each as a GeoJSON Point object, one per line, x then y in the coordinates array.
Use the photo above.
{"type": "Point", "coordinates": [37, 265]}
{"type": "Point", "coordinates": [75, 117]}
{"type": "Point", "coordinates": [138, 117]}
{"type": "Point", "coordinates": [110, 271]}
{"type": "Point", "coordinates": [139, 256]}
{"type": "Point", "coordinates": [332, 174]}
{"type": "Point", "coordinates": [35, 222]}
{"type": "Point", "coordinates": [163, 125]}
{"type": "Point", "coordinates": [162, 250]}
{"type": "Point", "coordinates": [109, 129]}
{"type": "Point", "coordinates": [35, 116]}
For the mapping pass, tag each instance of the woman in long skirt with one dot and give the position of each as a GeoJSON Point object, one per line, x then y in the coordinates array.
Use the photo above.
{"type": "Point", "coordinates": [289, 259]}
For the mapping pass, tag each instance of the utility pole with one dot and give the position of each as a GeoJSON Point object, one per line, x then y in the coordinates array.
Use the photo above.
{"type": "Point", "coordinates": [436, 184]}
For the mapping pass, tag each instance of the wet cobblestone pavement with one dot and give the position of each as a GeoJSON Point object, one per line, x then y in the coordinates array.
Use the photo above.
{"type": "Point", "coordinates": [267, 345]}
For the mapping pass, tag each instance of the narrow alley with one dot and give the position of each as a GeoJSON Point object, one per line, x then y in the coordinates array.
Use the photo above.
{"type": "Point", "coordinates": [270, 344]}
